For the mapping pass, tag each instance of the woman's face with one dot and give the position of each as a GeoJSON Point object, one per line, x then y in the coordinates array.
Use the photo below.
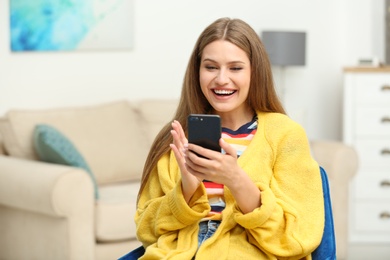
{"type": "Point", "coordinates": [224, 76]}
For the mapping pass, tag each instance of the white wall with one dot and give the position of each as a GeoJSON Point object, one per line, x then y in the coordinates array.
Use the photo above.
{"type": "Point", "coordinates": [338, 33]}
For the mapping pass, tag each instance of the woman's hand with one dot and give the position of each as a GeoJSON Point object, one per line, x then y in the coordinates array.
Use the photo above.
{"type": "Point", "coordinates": [216, 166]}
{"type": "Point", "coordinates": [189, 182]}
{"type": "Point", "coordinates": [223, 168]}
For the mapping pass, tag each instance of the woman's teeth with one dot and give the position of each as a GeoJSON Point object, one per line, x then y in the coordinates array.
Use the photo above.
{"type": "Point", "coordinates": [223, 92]}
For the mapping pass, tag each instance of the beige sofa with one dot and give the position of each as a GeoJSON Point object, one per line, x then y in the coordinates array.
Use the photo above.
{"type": "Point", "coordinates": [48, 211]}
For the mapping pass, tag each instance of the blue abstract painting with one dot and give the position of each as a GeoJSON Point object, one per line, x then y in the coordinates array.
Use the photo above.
{"type": "Point", "coordinates": [63, 25]}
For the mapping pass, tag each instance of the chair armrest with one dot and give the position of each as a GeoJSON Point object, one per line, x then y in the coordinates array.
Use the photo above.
{"type": "Point", "coordinates": [44, 188]}
{"type": "Point", "coordinates": [338, 159]}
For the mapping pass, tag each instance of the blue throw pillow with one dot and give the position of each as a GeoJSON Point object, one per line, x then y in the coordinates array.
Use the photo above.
{"type": "Point", "coordinates": [54, 147]}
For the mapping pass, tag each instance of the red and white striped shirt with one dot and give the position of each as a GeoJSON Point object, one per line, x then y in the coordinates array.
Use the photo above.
{"type": "Point", "coordinates": [239, 139]}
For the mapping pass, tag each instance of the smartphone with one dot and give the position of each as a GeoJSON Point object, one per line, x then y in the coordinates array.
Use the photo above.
{"type": "Point", "coordinates": [204, 130]}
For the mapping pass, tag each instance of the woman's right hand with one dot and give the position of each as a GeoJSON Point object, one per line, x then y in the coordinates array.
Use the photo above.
{"type": "Point", "coordinates": [189, 182]}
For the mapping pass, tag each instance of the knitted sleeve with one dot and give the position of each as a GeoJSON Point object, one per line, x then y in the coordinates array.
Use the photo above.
{"type": "Point", "coordinates": [162, 209]}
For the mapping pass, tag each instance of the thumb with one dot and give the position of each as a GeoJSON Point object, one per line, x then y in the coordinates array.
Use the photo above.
{"type": "Point", "coordinates": [227, 148]}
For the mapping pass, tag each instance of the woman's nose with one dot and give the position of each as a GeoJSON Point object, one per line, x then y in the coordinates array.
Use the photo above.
{"type": "Point", "coordinates": [222, 77]}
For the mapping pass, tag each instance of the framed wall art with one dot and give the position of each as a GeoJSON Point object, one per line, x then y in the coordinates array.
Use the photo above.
{"type": "Point", "coordinates": [71, 25]}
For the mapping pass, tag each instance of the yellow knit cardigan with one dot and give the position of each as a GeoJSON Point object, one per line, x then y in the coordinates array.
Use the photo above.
{"type": "Point", "coordinates": [288, 225]}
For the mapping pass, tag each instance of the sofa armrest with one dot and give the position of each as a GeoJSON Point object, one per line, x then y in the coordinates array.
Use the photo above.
{"type": "Point", "coordinates": [338, 159]}
{"type": "Point", "coordinates": [44, 188]}
{"type": "Point", "coordinates": [2, 150]}
{"type": "Point", "coordinates": [48, 205]}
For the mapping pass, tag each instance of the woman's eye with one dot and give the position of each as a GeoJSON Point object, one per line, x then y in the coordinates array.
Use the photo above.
{"type": "Point", "coordinates": [236, 68]}
{"type": "Point", "coordinates": [209, 67]}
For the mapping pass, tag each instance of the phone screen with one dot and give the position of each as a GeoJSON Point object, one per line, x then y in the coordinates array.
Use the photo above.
{"type": "Point", "coordinates": [205, 130]}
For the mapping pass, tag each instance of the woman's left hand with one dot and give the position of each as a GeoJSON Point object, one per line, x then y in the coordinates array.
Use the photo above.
{"type": "Point", "coordinates": [223, 168]}
{"type": "Point", "coordinates": [217, 167]}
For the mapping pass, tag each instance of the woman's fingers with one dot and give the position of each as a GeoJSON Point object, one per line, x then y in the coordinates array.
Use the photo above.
{"type": "Point", "coordinates": [217, 166]}
{"type": "Point", "coordinates": [179, 130]}
{"type": "Point", "coordinates": [200, 162]}
{"type": "Point", "coordinates": [203, 152]}
{"type": "Point", "coordinates": [176, 139]}
{"type": "Point", "coordinates": [227, 148]}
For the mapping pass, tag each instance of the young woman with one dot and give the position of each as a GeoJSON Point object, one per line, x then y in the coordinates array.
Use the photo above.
{"type": "Point", "coordinates": [263, 196]}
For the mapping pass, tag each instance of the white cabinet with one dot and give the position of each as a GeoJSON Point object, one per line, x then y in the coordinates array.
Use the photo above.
{"type": "Point", "coordinates": [367, 128]}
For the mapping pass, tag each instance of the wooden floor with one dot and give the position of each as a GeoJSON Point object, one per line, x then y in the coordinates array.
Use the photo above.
{"type": "Point", "coordinates": [369, 252]}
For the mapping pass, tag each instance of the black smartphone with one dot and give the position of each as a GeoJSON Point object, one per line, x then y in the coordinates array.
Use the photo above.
{"type": "Point", "coordinates": [205, 130]}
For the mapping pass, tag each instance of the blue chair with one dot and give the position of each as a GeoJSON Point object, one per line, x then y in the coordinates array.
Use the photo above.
{"type": "Point", "coordinates": [325, 251]}
{"type": "Point", "coordinates": [327, 248]}
{"type": "Point", "coordinates": [133, 255]}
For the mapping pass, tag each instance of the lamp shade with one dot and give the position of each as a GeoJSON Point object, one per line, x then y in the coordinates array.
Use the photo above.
{"type": "Point", "coordinates": [285, 48]}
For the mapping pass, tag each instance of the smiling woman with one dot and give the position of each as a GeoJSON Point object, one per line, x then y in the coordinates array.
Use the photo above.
{"type": "Point", "coordinates": [248, 201]}
{"type": "Point", "coordinates": [68, 25]}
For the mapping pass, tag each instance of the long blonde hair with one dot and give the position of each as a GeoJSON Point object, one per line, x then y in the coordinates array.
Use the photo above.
{"type": "Point", "coordinates": [261, 96]}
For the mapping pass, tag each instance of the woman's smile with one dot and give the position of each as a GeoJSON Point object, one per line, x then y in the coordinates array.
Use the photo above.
{"type": "Point", "coordinates": [224, 93]}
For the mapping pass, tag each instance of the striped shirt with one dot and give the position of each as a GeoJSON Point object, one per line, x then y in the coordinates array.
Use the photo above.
{"type": "Point", "coordinates": [240, 140]}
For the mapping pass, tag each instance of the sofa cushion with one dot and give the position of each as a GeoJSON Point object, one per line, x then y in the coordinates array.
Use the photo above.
{"type": "Point", "coordinates": [107, 135]}
{"type": "Point", "coordinates": [155, 114]}
{"type": "Point", "coordinates": [54, 147]}
{"type": "Point", "coordinates": [115, 211]}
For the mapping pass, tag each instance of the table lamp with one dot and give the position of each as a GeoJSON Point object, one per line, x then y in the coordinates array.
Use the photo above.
{"type": "Point", "coordinates": [285, 48]}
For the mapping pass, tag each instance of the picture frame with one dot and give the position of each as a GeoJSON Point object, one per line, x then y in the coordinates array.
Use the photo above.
{"type": "Point", "coordinates": [71, 25]}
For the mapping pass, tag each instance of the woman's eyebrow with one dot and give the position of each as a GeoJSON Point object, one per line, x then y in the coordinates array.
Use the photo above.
{"type": "Point", "coordinates": [230, 62]}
